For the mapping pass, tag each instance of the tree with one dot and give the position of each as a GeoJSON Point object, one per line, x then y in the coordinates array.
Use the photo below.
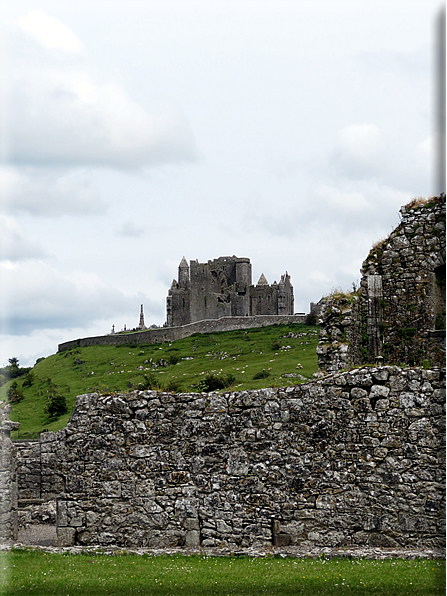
{"type": "Point", "coordinates": [56, 406]}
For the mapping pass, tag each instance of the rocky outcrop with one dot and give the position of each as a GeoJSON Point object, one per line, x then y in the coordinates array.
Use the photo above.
{"type": "Point", "coordinates": [353, 459]}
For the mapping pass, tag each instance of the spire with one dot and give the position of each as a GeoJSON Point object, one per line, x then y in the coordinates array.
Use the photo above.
{"type": "Point", "coordinates": [262, 281]}
{"type": "Point", "coordinates": [141, 324]}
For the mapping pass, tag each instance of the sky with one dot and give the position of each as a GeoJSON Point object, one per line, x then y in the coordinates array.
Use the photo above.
{"type": "Point", "coordinates": [134, 133]}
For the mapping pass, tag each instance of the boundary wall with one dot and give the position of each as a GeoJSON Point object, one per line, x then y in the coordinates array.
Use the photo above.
{"type": "Point", "coordinates": [351, 459]}
{"type": "Point", "coordinates": [164, 334]}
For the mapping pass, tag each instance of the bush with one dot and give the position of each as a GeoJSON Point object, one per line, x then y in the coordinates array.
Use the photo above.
{"type": "Point", "coordinates": [276, 345]}
{"type": "Point", "coordinates": [173, 359]}
{"type": "Point", "coordinates": [28, 380]}
{"type": "Point", "coordinates": [214, 383]}
{"type": "Point", "coordinates": [14, 394]}
{"type": "Point", "coordinates": [173, 386]}
{"type": "Point", "coordinates": [311, 318]}
{"type": "Point", "coordinates": [56, 406]}
{"type": "Point", "coordinates": [261, 375]}
{"type": "Point", "coordinates": [149, 381]}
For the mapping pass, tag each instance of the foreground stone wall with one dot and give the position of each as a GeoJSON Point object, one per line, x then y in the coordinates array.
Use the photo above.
{"type": "Point", "coordinates": [165, 334]}
{"type": "Point", "coordinates": [356, 458]}
{"type": "Point", "coordinates": [8, 478]}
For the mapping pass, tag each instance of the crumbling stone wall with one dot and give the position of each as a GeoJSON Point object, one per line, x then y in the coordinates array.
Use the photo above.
{"type": "Point", "coordinates": [8, 479]}
{"type": "Point", "coordinates": [402, 309]}
{"type": "Point", "coordinates": [356, 458]}
{"type": "Point", "coordinates": [398, 314]}
{"type": "Point", "coordinates": [337, 313]}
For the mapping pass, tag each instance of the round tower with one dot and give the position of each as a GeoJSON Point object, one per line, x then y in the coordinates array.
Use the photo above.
{"type": "Point", "coordinates": [183, 273]}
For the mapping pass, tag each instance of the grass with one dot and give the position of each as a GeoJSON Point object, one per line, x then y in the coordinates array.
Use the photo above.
{"type": "Point", "coordinates": [40, 573]}
{"type": "Point", "coordinates": [107, 369]}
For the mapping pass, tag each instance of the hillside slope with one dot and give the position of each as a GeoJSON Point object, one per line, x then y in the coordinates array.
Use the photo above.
{"type": "Point", "coordinates": [242, 359]}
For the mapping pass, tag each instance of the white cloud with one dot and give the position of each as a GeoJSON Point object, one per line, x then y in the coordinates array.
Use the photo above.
{"type": "Point", "coordinates": [361, 141]}
{"type": "Point", "coordinates": [59, 113]}
{"type": "Point", "coordinates": [48, 192]}
{"type": "Point", "coordinates": [14, 246]}
{"type": "Point", "coordinates": [131, 230]}
{"type": "Point", "coordinates": [350, 201]}
{"type": "Point", "coordinates": [49, 32]}
{"type": "Point", "coordinates": [36, 296]}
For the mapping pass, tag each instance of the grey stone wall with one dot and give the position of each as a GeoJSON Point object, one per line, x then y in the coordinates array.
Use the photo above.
{"type": "Point", "coordinates": [402, 299]}
{"type": "Point", "coordinates": [165, 334]}
{"type": "Point", "coordinates": [38, 478]}
{"type": "Point", "coordinates": [337, 315]}
{"type": "Point", "coordinates": [398, 314]}
{"type": "Point", "coordinates": [356, 458]}
{"type": "Point", "coordinates": [8, 479]}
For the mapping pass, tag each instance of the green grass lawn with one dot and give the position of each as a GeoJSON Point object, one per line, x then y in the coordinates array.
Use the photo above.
{"type": "Point", "coordinates": [106, 369]}
{"type": "Point", "coordinates": [39, 573]}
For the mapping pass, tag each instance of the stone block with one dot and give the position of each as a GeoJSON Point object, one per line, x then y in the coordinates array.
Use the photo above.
{"type": "Point", "coordinates": [282, 539]}
{"type": "Point", "coordinates": [65, 536]}
{"type": "Point", "coordinates": [192, 539]}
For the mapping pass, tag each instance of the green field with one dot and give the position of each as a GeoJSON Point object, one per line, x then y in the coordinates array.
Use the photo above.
{"type": "Point", "coordinates": [268, 352]}
{"type": "Point", "coordinates": [40, 573]}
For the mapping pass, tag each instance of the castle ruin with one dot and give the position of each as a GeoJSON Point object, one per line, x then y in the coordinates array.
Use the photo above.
{"type": "Point", "coordinates": [223, 288]}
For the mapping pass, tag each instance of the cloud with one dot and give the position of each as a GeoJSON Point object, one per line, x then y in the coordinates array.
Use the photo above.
{"type": "Point", "coordinates": [365, 152]}
{"type": "Point", "coordinates": [36, 296]}
{"type": "Point", "coordinates": [60, 114]}
{"type": "Point", "coordinates": [49, 192]}
{"type": "Point", "coordinates": [359, 152]}
{"type": "Point", "coordinates": [130, 230]}
{"type": "Point", "coordinates": [49, 32]}
{"type": "Point", "coordinates": [14, 246]}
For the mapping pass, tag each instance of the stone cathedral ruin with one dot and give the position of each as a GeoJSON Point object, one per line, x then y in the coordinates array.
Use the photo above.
{"type": "Point", "coordinates": [223, 288]}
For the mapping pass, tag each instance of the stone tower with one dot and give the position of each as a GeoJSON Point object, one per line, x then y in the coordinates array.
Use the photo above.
{"type": "Point", "coordinates": [141, 324]}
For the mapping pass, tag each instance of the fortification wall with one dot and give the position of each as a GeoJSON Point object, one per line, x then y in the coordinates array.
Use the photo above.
{"type": "Point", "coordinates": [356, 458]}
{"type": "Point", "coordinates": [167, 334]}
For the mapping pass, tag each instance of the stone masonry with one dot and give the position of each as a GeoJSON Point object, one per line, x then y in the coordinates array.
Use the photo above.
{"type": "Point", "coordinates": [8, 478]}
{"type": "Point", "coordinates": [398, 314]}
{"type": "Point", "coordinates": [352, 459]}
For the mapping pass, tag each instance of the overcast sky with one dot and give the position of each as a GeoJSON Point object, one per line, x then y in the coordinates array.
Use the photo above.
{"type": "Point", "coordinates": [133, 133]}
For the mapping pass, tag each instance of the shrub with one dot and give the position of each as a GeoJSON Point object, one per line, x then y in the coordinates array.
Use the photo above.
{"type": "Point", "coordinates": [213, 382]}
{"type": "Point", "coordinates": [173, 386]}
{"type": "Point", "coordinates": [276, 345]}
{"type": "Point", "coordinates": [28, 380]}
{"type": "Point", "coordinates": [14, 394]}
{"type": "Point", "coordinates": [311, 318]}
{"type": "Point", "coordinates": [149, 381]}
{"type": "Point", "coordinates": [173, 359]}
{"type": "Point", "coordinates": [261, 375]}
{"type": "Point", "coordinates": [56, 406]}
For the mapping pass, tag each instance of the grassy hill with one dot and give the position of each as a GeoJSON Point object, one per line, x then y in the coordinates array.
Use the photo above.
{"type": "Point", "coordinates": [245, 359]}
